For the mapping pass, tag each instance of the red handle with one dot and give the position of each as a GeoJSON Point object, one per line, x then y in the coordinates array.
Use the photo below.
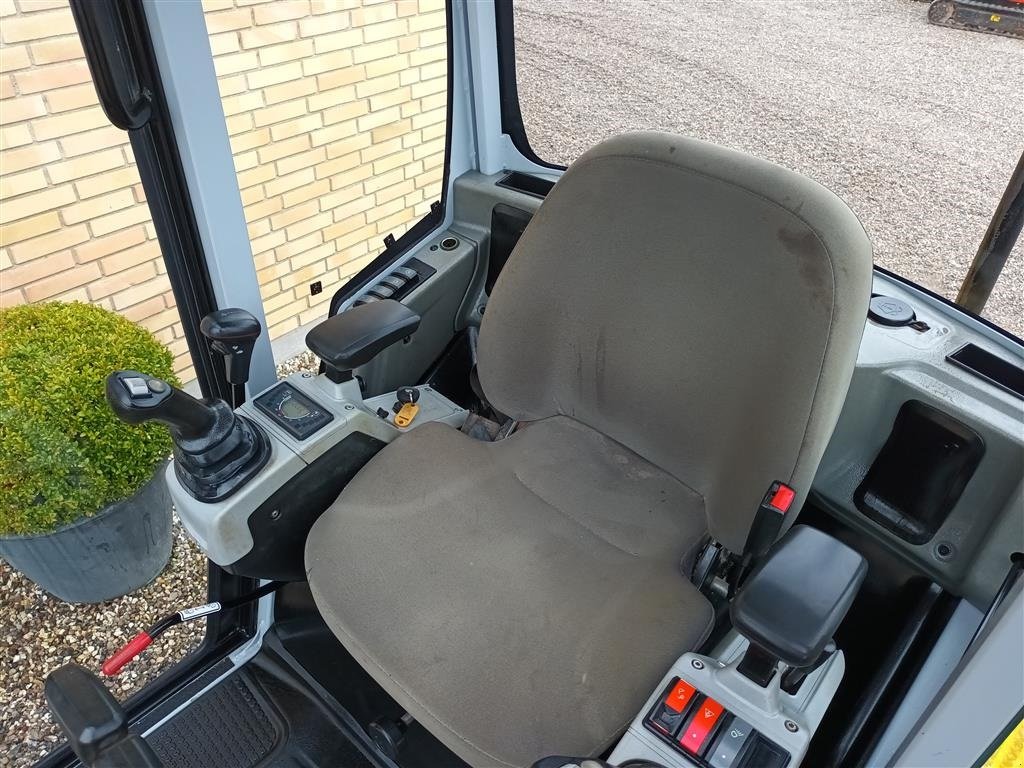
{"type": "Point", "coordinates": [135, 646]}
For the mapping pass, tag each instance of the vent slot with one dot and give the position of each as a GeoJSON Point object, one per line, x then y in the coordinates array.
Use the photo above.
{"type": "Point", "coordinates": [995, 370]}
{"type": "Point", "coordinates": [528, 185]}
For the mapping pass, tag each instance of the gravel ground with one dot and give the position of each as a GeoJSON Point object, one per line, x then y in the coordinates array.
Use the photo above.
{"type": "Point", "coordinates": [39, 633]}
{"type": "Point", "coordinates": [306, 361]}
{"type": "Point", "coordinates": [917, 127]}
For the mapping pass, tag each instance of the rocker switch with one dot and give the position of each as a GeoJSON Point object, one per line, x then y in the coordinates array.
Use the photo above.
{"type": "Point", "coordinates": [393, 281]}
{"type": "Point", "coordinates": [679, 696]}
{"type": "Point", "coordinates": [407, 272]}
{"type": "Point", "coordinates": [730, 743]}
{"type": "Point", "coordinates": [668, 714]}
{"type": "Point", "coordinates": [695, 735]}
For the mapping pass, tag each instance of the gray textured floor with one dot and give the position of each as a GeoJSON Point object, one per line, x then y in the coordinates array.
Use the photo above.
{"type": "Point", "coordinates": [917, 127]}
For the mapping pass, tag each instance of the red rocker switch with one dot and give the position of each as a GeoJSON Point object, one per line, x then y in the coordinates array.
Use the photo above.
{"type": "Point", "coordinates": [695, 735]}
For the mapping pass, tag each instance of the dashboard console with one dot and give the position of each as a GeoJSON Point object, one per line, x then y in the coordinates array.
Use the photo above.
{"type": "Point", "coordinates": [321, 433]}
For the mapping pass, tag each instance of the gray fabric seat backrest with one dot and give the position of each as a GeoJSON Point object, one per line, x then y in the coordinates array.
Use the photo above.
{"type": "Point", "coordinates": [700, 306]}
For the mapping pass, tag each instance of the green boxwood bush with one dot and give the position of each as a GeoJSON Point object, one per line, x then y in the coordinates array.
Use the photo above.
{"type": "Point", "coordinates": [63, 453]}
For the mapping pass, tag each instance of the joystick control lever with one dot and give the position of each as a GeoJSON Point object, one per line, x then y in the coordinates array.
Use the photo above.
{"type": "Point", "coordinates": [216, 451]}
{"type": "Point", "coordinates": [136, 398]}
{"type": "Point", "coordinates": [232, 333]}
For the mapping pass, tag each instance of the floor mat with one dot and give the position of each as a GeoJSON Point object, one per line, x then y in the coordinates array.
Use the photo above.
{"type": "Point", "coordinates": [229, 726]}
{"type": "Point", "coordinates": [260, 715]}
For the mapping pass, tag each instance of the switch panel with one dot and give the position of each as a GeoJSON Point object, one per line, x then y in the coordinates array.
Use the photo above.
{"type": "Point", "coordinates": [397, 284]}
{"type": "Point", "coordinates": [708, 734]}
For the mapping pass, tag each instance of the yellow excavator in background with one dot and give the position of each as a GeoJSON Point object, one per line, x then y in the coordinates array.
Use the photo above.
{"type": "Point", "coordinates": [996, 17]}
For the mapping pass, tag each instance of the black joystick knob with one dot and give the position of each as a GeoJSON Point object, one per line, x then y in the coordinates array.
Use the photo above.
{"type": "Point", "coordinates": [232, 333]}
{"type": "Point", "coordinates": [216, 451]}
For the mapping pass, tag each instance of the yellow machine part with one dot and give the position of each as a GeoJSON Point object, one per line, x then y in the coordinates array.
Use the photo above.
{"type": "Point", "coordinates": [1009, 754]}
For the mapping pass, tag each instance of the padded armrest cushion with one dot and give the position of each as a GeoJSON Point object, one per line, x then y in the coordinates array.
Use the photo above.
{"type": "Point", "coordinates": [793, 603]}
{"type": "Point", "coordinates": [354, 337]}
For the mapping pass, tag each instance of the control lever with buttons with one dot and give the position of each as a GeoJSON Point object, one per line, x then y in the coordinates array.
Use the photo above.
{"type": "Point", "coordinates": [216, 451]}
{"type": "Point", "coordinates": [137, 398]}
{"type": "Point", "coordinates": [232, 334]}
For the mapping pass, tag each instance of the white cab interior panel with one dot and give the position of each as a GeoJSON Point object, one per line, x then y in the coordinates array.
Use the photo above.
{"type": "Point", "coordinates": [967, 553]}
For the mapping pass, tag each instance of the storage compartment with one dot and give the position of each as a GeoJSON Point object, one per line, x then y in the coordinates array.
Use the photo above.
{"type": "Point", "coordinates": [920, 473]}
{"type": "Point", "coordinates": [995, 370]}
{"type": "Point", "coordinates": [524, 182]}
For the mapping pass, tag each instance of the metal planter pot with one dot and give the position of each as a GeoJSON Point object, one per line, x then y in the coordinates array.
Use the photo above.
{"type": "Point", "coordinates": [123, 547]}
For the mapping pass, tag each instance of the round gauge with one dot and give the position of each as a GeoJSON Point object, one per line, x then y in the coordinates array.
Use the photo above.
{"type": "Point", "coordinates": [291, 408]}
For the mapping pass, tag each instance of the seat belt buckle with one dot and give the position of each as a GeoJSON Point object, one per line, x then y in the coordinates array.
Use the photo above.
{"type": "Point", "coordinates": [768, 520]}
{"type": "Point", "coordinates": [765, 529]}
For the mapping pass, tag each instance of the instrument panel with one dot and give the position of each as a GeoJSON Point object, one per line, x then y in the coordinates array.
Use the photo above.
{"type": "Point", "coordinates": [291, 410]}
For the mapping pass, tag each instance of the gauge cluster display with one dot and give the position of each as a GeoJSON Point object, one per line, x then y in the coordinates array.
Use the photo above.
{"type": "Point", "coordinates": [297, 414]}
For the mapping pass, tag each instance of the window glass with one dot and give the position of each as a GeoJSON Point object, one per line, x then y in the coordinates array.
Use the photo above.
{"type": "Point", "coordinates": [916, 126]}
{"type": "Point", "coordinates": [337, 118]}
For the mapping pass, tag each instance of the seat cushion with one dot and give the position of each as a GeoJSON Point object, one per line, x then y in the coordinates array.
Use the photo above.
{"type": "Point", "coordinates": [519, 598]}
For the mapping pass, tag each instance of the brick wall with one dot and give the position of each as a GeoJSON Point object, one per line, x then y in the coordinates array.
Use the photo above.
{"type": "Point", "coordinates": [336, 115]}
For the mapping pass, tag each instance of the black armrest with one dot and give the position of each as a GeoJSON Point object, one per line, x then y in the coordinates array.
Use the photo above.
{"type": "Point", "coordinates": [794, 601]}
{"type": "Point", "coordinates": [354, 337]}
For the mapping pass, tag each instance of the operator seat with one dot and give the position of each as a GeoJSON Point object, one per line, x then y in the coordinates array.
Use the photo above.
{"type": "Point", "coordinates": [677, 328]}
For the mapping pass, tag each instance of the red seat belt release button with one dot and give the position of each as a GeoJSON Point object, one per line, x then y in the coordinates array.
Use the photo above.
{"type": "Point", "coordinates": [768, 520]}
{"type": "Point", "coordinates": [781, 497]}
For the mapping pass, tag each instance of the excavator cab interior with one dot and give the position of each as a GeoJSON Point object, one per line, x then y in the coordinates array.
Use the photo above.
{"type": "Point", "coordinates": [636, 463]}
